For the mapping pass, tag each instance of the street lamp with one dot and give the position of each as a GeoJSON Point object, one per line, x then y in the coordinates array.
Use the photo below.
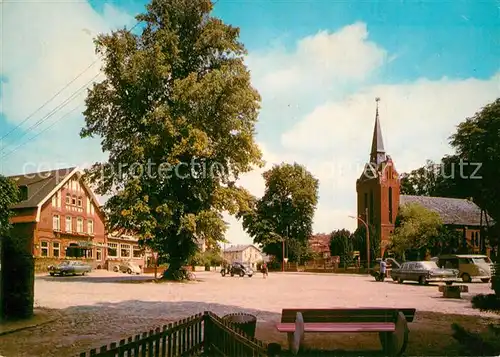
{"type": "Point", "coordinates": [367, 237]}
{"type": "Point", "coordinates": [285, 260]}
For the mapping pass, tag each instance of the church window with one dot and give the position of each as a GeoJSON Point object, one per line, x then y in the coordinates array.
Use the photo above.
{"type": "Point", "coordinates": [372, 206]}
{"type": "Point", "coordinates": [366, 201]}
{"type": "Point", "coordinates": [390, 204]}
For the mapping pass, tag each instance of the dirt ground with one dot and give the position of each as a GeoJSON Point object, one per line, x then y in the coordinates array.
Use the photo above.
{"type": "Point", "coordinates": [105, 307]}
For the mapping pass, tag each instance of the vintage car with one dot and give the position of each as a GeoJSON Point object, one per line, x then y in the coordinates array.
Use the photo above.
{"type": "Point", "coordinates": [70, 268]}
{"type": "Point", "coordinates": [127, 267]}
{"type": "Point", "coordinates": [238, 269]}
{"type": "Point", "coordinates": [424, 272]}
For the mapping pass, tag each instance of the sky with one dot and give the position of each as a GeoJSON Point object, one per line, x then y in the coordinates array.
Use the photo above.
{"type": "Point", "coordinates": [318, 65]}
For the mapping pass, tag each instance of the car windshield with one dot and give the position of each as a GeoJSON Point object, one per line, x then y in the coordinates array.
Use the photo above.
{"type": "Point", "coordinates": [481, 260]}
{"type": "Point", "coordinates": [429, 265]}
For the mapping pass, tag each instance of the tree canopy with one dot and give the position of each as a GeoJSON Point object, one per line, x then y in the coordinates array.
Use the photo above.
{"type": "Point", "coordinates": [417, 229]}
{"type": "Point", "coordinates": [341, 244]}
{"type": "Point", "coordinates": [9, 196]}
{"type": "Point", "coordinates": [285, 212]}
{"type": "Point", "coordinates": [176, 113]}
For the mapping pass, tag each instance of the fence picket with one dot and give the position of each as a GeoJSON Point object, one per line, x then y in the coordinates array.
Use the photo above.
{"type": "Point", "coordinates": [203, 333]}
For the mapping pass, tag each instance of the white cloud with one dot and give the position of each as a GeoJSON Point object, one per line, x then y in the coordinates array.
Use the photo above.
{"type": "Point", "coordinates": [324, 59]}
{"type": "Point", "coordinates": [45, 46]}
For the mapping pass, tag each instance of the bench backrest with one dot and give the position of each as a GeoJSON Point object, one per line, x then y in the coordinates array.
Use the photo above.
{"type": "Point", "coordinates": [347, 315]}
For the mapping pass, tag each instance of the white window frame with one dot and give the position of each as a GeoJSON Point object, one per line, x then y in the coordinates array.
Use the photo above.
{"type": "Point", "coordinates": [127, 248]}
{"type": "Point", "coordinates": [44, 248]}
{"type": "Point", "coordinates": [69, 227]}
{"type": "Point", "coordinates": [54, 249]}
{"type": "Point", "coordinates": [90, 227]}
{"type": "Point", "coordinates": [79, 225]}
{"type": "Point", "coordinates": [136, 248]}
{"type": "Point", "coordinates": [54, 200]}
{"type": "Point", "coordinates": [115, 247]}
{"type": "Point", "coordinates": [56, 222]}
{"type": "Point", "coordinates": [79, 202]}
{"type": "Point", "coordinates": [68, 199]}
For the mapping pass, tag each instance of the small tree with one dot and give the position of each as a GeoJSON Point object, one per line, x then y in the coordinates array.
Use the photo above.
{"type": "Point", "coordinates": [359, 241]}
{"type": "Point", "coordinates": [341, 244]}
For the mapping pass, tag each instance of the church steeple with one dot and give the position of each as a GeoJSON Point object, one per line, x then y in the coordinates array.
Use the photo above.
{"type": "Point", "coordinates": [377, 154]}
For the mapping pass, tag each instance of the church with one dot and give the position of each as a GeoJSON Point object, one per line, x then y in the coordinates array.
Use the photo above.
{"type": "Point", "coordinates": [379, 198]}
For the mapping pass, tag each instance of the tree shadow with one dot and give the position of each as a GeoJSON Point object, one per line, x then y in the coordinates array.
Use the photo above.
{"type": "Point", "coordinates": [84, 327]}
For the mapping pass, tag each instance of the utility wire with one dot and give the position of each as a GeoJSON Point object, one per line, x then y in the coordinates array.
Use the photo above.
{"type": "Point", "coordinates": [55, 95]}
{"type": "Point", "coordinates": [41, 132]}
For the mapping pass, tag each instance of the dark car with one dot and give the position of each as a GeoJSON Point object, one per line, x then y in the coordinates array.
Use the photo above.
{"type": "Point", "coordinates": [70, 268]}
{"type": "Point", "coordinates": [424, 272]}
{"type": "Point", "coordinates": [238, 269]}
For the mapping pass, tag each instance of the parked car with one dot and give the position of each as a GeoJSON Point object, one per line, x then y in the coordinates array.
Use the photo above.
{"type": "Point", "coordinates": [127, 267]}
{"type": "Point", "coordinates": [424, 272]}
{"type": "Point", "coordinates": [469, 266]}
{"type": "Point", "coordinates": [238, 269]}
{"type": "Point", "coordinates": [70, 268]}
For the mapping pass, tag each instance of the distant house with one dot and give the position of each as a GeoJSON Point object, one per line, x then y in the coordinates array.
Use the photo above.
{"type": "Point", "coordinates": [124, 247]}
{"type": "Point", "coordinates": [320, 244]}
{"type": "Point", "coordinates": [247, 254]}
{"type": "Point", "coordinates": [59, 216]}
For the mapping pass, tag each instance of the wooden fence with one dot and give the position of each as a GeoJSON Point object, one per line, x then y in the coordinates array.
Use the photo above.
{"type": "Point", "coordinates": [199, 335]}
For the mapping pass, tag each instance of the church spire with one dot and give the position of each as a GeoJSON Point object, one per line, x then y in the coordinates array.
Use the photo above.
{"type": "Point", "coordinates": [377, 154]}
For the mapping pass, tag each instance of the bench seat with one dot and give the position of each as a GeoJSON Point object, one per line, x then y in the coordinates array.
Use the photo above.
{"type": "Point", "coordinates": [339, 327]}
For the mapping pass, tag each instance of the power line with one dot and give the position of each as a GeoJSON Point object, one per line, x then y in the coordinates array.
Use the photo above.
{"type": "Point", "coordinates": [41, 132]}
{"type": "Point", "coordinates": [48, 101]}
{"type": "Point", "coordinates": [55, 95]}
{"type": "Point", "coordinates": [57, 108]}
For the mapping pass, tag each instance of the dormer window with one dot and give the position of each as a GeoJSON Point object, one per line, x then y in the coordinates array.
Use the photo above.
{"type": "Point", "coordinates": [23, 192]}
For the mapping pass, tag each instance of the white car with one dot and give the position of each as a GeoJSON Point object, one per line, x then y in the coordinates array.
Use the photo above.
{"type": "Point", "coordinates": [127, 267]}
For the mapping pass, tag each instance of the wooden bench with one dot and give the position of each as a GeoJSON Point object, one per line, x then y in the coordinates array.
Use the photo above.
{"type": "Point", "coordinates": [390, 323]}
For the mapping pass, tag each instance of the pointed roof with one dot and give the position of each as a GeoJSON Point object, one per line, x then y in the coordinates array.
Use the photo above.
{"type": "Point", "coordinates": [377, 153]}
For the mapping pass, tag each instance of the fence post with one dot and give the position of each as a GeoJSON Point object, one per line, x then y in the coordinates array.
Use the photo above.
{"type": "Point", "coordinates": [206, 331]}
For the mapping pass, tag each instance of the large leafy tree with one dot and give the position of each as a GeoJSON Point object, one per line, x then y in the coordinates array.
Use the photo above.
{"type": "Point", "coordinates": [176, 113]}
{"type": "Point", "coordinates": [285, 212]}
{"type": "Point", "coordinates": [477, 142]}
{"type": "Point", "coordinates": [9, 196]}
{"type": "Point", "coordinates": [359, 243]}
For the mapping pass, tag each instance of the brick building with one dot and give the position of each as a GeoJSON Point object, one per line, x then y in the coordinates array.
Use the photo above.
{"type": "Point", "coordinates": [59, 216]}
{"type": "Point", "coordinates": [379, 199]}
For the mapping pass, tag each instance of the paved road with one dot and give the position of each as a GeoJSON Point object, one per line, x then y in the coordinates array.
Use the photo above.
{"type": "Point", "coordinates": [106, 306]}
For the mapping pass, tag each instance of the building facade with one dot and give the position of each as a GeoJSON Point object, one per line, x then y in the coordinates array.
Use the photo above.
{"type": "Point", "coordinates": [379, 199]}
{"type": "Point", "coordinates": [246, 254]}
{"type": "Point", "coordinates": [59, 216]}
{"type": "Point", "coordinates": [121, 248]}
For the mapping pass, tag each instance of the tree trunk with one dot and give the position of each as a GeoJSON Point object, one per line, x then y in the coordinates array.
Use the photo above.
{"type": "Point", "coordinates": [175, 271]}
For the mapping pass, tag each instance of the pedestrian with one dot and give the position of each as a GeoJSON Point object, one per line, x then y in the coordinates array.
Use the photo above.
{"type": "Point", "coordinates": [265, 270]}
{"type": "Point", "coordinates": [383, 269]}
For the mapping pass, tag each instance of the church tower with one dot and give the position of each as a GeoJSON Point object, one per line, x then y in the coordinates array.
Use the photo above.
{"type": "Point", "coordinates": [378, 188]}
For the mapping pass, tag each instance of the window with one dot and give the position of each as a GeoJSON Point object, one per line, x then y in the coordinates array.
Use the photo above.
{"type": "Point", "coordinates": [56, 249]}
{"type": "Point", "coordinates": [112, 250]}
{"type": "Point", "coordinates": [79, 202]}
{"type": "Point", "coordinates": [87, 206]}
{"type": "Point", "coordinates": [56, 223]}
{"type": "Point", "coordinates": [23, 192]}
{"type": "Point", "coordinates": [390, 204]}
{"type": "Point", "coordinates": [90, 226]}
{"type": "Point", "coordinates": [98, 254]}
{"type": "Point", "coordinates": [372, 206]}
{"type": "Point", "coordinates": [54, 200]}
{"type": "Point", "coordinates": [44, 249]}
{"type": "Point", "coordinates": [125, 250]}
{"type": "Point", "coordinates": [90, 253]}
{"type": "Point", "coordinates": [366, 201]}
{"type": "Point", "coordinates": [73, 200]}
{"type": "Point", "coordinates": [92, 211]}
{"type": "Point", "coordinates": [69, 225]}
{"type": "Point", "coordinates": [68, 199]}
{"type": "Point", "coordinates": [79, 225]}
{"type": "Point", "coordinates": [137, 251]}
